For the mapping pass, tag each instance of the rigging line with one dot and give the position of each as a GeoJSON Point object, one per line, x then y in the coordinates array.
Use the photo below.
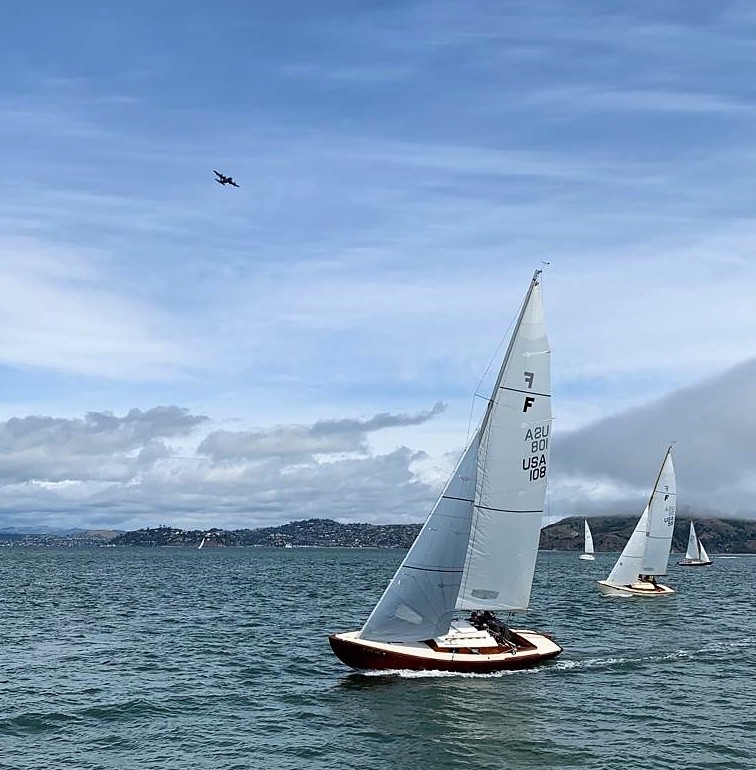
{"type": "Point", "coordinates": [494, 358]}
{"type": "Point", "coordinates": [546, 513]}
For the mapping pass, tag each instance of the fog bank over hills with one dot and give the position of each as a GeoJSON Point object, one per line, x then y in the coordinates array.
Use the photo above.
{"type": "Point", "coordinates": [601, 467]}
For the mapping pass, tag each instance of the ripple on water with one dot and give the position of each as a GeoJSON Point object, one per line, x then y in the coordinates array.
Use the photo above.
{"type": "Point", "coordinates": [168, 659]}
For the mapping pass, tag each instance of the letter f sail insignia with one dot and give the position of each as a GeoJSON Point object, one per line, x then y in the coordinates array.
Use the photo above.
{"type": "Point", "coordinates": [529, 401]}
{"type": "Point", "coordinates": [529, 378]}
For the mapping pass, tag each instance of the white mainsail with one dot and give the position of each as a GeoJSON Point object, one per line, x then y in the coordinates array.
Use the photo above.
{"type": "Point", "coordinates": [661, 520]}
{"type": "Point", "coordinates": [513, 461]}
{"type": "Point", "coordinates": [647, 550]}
{"type": "Point", "coordinates": [478, 547]}
{"type": "Point", "coordinates": [692, 553]}
{"type": "Point", "coordinates": [588, 539]}
{"type": "Point", "coordinates": [696, 553]}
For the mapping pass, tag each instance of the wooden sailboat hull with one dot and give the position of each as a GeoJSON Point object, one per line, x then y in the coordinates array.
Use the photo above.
{"type": "Point", "coordinates": [363, 654]}
{"type": "Point", "coordinates": [635, 589]}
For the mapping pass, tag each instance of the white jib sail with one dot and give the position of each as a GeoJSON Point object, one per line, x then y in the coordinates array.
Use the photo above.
{"type": "Point", "coordinates": [661, 520]}
{"type": "Point", "coordinates": [702, 552]}
{"type": "Point", "coordinates": [419, 601]}
{"type": "Point", "coordinates": [588, 539]}
{"type": "Point", "coordinates": [513, 461]}
{"type": "Point", "coordinates": [628, 566]}
{"type": "Point", "coordinates": [692, 553]}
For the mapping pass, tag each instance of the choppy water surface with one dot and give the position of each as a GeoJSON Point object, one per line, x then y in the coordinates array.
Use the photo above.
{"type": "Point", "coordinates": [172, 658]}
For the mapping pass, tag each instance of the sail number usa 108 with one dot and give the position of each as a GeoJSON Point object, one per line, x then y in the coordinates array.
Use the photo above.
{"type": "Point", "coordinates": [537, 441]}
{"type": "Point", "coordinates": [534, 461]}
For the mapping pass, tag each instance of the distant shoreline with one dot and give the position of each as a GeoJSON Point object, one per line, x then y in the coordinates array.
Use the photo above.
{"type": "Point", "coordinates": [721, 537]}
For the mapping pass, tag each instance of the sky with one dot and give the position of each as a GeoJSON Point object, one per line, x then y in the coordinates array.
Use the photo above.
{"type": "Point", "coordinates": [315, 343]}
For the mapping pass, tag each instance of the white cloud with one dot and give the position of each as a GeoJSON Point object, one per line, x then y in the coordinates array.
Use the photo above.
{"type": "Point", "coordinates": [58, 313]}
{"type": "Point", "coordinates": [127, 472]}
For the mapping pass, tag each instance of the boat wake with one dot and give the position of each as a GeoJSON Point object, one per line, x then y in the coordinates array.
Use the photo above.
{"type": "Point", "coordinates": [714, 649]}
{"type": "Point", "coordinates": [410, 674]}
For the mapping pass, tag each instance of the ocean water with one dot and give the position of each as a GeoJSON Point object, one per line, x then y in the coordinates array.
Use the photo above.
{"type": "Point", "coordinates": [171, 658]}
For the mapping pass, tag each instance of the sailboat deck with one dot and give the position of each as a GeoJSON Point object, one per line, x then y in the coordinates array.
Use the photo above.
{"type": "Point", "coordinates": [366, 654]}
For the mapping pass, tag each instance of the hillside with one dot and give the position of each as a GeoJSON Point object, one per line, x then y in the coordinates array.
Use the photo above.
{"type": "Point", "coordinates": [609, 534]}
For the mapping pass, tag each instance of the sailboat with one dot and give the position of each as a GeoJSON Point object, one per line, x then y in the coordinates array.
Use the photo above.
{"type": "Point", "coordinates": [646, 553]}
{"type": "Point", "coordinates": [587, 554]}
{"type": "Point", "coordinates": [476, 553]}
{"type": "Point", "coordinates": [695, 555]}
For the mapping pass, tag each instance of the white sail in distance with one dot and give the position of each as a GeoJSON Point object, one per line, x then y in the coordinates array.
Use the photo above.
{"type": "Point", "coordinates": [647, 550]}
{"type": "Point", "coordinates": [696, 552]}
{"type": "Point", "coordinates": [692, 553]}
{"type": "Point", "coordinates": [588, 539]}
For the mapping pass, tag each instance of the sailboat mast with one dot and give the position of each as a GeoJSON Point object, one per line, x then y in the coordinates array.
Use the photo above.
{"type": "Point", "coordinates": [510, 346]}
{"type": "Point", "coordinates": [656, 482]}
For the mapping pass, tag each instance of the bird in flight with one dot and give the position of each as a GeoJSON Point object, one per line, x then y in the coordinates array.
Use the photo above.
{"type": "Point", "coordinates": [223, 179]}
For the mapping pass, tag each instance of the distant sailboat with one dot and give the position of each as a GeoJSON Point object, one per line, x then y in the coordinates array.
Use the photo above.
{"type": "Point", "coordinates": [587, 554]}
{"type": "Point", "coordinates": [476, 552]}
{"type": "Point", "coordinates": [202, 542]}
{"type": "Point", "coordinates": [647, 551]}
{"type": "Point", "coordinates": [696, 555]}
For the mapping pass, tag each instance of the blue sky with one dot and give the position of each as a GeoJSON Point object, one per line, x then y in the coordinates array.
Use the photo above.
{"type": "Point", "coordinates": [169, 348]}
